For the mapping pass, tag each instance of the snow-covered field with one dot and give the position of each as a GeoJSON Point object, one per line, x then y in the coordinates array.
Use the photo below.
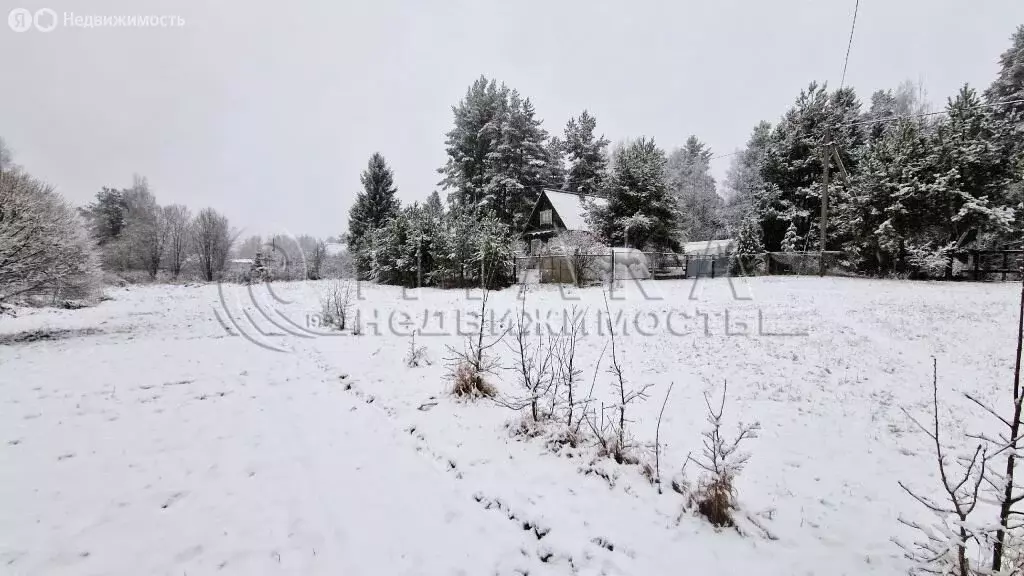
{"type": "Point", "coordinates": [141, 437]}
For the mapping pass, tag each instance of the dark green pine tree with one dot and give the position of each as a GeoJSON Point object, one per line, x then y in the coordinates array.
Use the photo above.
{"type": "Point", "coordinates": [641, 212]}
{"type": "Point", "coordinates": [374, 206]}
{"type": "Point", "coordinates": [743, 180]}
{"type": "Point", "coordinates": [969, 197]}
{"type": "Point", "coordinates": [107, 215]}
{"type": "Point", "coordinates": [892, 210]}
{"type": "Point", "coordinates": [792, 167]}
{"type": "Point", "coordinates": [1008, 87]}
{"type": "Point", "coordinates": [587, 155]}
{"type": "Point", "coordinates": [748, 241]}
{"type": "Point", "coordinates": [434, 207]}
{"type": "Point", "coordinates": [516, 168]}
{"type": "Point", "coordinates": [690, 181]}
{"type": "Point", "coordinates": [468, 143]}
{"type": "Point", "coordinates": [555, 173]}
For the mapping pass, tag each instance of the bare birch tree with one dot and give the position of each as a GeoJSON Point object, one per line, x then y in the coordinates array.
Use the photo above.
{"type": "Point", "coordinates": [211, 242]}
{"type": "Point", "coordinates": [176, 217]}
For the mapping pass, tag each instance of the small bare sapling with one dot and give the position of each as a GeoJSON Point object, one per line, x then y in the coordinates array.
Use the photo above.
{"type": "Point", "coordinates": [721, 460]}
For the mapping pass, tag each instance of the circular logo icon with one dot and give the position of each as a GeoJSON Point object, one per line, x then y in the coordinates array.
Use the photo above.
{"type": "Point", "coordinates": [20, 19]}
{"type": "Point", "coordinates": [45, 19]}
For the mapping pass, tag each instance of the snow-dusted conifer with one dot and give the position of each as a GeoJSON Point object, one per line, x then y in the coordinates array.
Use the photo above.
{"type": "Point", "coordinates": [791, 240]}
{"type": "Point", "coordinates": [640, 211]}
{"type": "Point", "coordinates": [690, 181]}
{"type": "Point", "coordinates": [587, 155]}
{"type": "Point", "coordinates": [373, 207]}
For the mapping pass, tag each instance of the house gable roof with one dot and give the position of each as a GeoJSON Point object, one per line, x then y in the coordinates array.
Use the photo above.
{"type": "Point", "coordinates": [571, 208]}
{"type": "Point", "coordinates": [709, 247]}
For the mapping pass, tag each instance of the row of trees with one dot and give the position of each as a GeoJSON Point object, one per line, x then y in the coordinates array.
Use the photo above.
{"type": "Point", "coordinates": [920, 184]}
{"type": "Point", "coordinates": [135, 233]}
{"type": "Point", "coordinates": [286, 257]}
{"type": "Point", "coordinates": [424, 244]}
{"type": "Point", "coordinates": [499, 159]}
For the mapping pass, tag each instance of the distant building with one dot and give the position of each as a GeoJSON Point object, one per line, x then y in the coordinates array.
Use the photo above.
{"type": "Point", "coordinates": [556, 212]}
{"type": "Point", "coordinates": [335, 248]}
{"type": "Point", "coordinates": [709, 247]}
{"type": "Point", "coordinates": [238, 265]}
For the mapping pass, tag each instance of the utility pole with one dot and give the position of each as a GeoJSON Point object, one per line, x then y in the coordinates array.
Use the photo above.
{"type": "Point", "coordinates": [829, 152]}
{"type": "Point", "coordinates": [826, 157]}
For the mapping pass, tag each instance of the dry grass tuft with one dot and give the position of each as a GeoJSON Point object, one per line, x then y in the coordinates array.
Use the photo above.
{"type": "Point", "coordinates": [469, 383]}
{"type": "Point", "coordinates": [715, 500]}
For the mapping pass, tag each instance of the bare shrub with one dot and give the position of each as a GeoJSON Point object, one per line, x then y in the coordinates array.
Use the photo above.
{"type": "Point", "coordinates": [582, 251]}
{"type": "Point", "coordinates": [722, 461]}
{"type": "Point", "coordinates": [467, 368]}
{"type": "Point", "coordinates": [417, 355]}
{"type": "Point", "coordinates": [613, 439]}
{"type": "Point", "coordinates": [1007, 540]}
{"type": "Point", "coordinates": [535, 364]}
{"type": "Point", "coordinates": [570, 372]}
{"type": "Point", "coordinates": [657, 439]}
{"type": "Point", "coordinates": [336, 304]}
{"type": "Point", "coordinates": [44, 246]}
{"type": "Point", "coordinates": [948, 545]}
{"type": "Point", "coordinates": [943, 548]}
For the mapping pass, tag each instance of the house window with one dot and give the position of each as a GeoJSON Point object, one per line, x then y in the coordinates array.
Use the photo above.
{"type": "Point", "coordinates": [535, 246]}
{"type": "Point", "coordinates": [545, 217]}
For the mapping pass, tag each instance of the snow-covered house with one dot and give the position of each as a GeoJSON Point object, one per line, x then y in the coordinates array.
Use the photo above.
{"type": "Point", "coordinates": [709, 247]}
{"type": "Point", "coordinates": [556, 212]}
{"type": "Point", "coordinates": [238, 265]}
{"type": "Point", "coordinates": [335, 248]}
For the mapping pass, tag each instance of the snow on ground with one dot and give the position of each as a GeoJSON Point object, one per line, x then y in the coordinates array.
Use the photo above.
{"type": "Point", "coordinates": [144, 437]}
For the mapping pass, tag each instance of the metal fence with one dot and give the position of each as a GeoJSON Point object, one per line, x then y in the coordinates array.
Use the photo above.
{"type": "Point", "coordinates": [584, 269]}
{"type": "Point", "coordinates": [981, 265]}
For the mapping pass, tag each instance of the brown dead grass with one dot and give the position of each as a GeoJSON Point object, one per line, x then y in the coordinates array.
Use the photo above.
{"type": "Point", "coordinates": [470, 384]}
{"type": "Point", "coordinates": [714, 501]}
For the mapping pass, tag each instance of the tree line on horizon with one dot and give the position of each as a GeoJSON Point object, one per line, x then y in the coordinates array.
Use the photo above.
{"type": "Point", "coordinates": [921, 185]}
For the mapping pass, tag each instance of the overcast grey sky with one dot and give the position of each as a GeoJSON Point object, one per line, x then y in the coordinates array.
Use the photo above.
{"type": "Point", "coordinates": [268, 111]}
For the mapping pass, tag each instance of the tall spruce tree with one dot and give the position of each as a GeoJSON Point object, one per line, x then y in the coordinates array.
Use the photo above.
{"type": "Point", "coordinates": [1008, 87]}
{"type": "Point", "coordinates": [373, 207]}
{"type": "Point", "coordinates": [1009, 84]}
{"type": "Point", "coordinates": [891, 212]}
{"type": "Point", "coordinates": [640, 212]}
{"type": "Point", "coordinates": [587, 155]}
{"type": "Point", "coordinates": [744, 178]}
{"type": "Point", "coordinates": [969, 195]}
{"type": "Point", "coordinates": [434, 206]}
{"type": "Point", "coordinates": [689, 179]}
{"type": "Point", "coordinates": [517, 165]}
{"type": "Point", "coordinates": [793, 161]}
{"type": "Point", "coordinates": [499, 155]}
{"type": "Point", "coordinates": [468, 143]}
{"type": "Point", "coordinates": [555, 174]}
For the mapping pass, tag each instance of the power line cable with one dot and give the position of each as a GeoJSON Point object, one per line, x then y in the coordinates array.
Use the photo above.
{"type": "Point", "coordinates": [849, 45]}
{"type": "Point", "coordinates": [888, 119]}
